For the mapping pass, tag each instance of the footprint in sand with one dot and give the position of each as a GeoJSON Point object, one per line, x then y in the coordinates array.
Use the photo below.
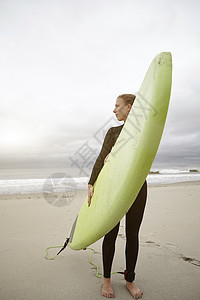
{"type": "Point", "coordinates": [192, 261]}
{"type": "Point", "coordinates": [153, 243]}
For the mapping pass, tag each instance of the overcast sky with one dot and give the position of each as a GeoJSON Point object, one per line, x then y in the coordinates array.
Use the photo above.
{"type": "Point", "coordinates": [63, 63]}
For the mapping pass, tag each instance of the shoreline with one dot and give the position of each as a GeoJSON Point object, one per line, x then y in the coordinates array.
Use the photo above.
{"type": "Point", "coordinates": [181, 183]}
{"type": "Point", "coordinates": [19, 196]}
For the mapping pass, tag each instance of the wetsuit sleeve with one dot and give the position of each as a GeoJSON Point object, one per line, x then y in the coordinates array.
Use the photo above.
{"type": "Point", "coordinates": [106, 148]}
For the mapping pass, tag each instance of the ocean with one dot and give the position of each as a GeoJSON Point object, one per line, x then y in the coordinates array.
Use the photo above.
{"type": "Point", "coordinates": [25, 181]}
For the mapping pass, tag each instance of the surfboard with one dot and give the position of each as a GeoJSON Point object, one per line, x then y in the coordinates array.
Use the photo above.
{"type": "Point", "coordinates": [130, 160]}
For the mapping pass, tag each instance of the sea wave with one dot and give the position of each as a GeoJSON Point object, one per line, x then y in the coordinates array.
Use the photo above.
{"type": "Point", "coordinates": [66, 184]}
{"type": "Point", "coordinates": [173, 171]}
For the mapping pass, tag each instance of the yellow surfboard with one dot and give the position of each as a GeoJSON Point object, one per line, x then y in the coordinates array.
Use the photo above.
{"type": "Point", "coordinates": [130, 160]}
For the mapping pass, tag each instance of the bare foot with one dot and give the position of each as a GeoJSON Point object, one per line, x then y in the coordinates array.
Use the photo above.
{"type": "Point", "coordinates": [107, 290]}
{"type": "Point", "coordinates": [134, 290]}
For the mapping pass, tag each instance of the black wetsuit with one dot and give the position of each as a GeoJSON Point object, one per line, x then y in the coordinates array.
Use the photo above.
{"type": "Point", "coordinates": [133, 217]}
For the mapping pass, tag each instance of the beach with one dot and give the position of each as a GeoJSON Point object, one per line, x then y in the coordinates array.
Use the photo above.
{"type": "Point", "coordinates": [168, 265]}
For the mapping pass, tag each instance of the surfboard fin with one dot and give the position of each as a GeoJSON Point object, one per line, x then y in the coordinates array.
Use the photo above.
{"type": "Point", "coordinates": [64, 246]}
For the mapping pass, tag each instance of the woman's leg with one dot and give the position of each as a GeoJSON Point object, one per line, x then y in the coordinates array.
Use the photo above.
{"type": "Point", "coordinates": [133, 222]}
{"type": "Point", "coordinates": [108, 254]}
{"type": "Point", "coordinates": [108, 249]}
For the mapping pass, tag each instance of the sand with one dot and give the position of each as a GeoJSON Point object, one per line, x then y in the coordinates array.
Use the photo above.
{"type": "Point", "coordinates": [168, 265]}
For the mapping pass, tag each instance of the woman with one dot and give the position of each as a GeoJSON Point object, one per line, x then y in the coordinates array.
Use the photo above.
{"type": "Point", "coordinates": [134, 215]}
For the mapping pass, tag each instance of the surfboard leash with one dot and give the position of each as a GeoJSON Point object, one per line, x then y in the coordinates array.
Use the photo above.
{"type": "Point", "coordinates": [95, 265]}
{"type": "Point", "coordinates": [90, 257]}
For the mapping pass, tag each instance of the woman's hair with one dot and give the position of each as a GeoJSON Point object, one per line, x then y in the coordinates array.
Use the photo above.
{"type": "Point", "coordinates": [128, 98]}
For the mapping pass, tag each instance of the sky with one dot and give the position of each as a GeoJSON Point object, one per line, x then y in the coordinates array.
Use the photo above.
{"type": "Point", "coordinates": [63, 63]}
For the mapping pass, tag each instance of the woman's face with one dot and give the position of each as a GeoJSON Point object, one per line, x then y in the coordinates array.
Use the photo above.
{"type": "Point", "coordinates": [121, 109]}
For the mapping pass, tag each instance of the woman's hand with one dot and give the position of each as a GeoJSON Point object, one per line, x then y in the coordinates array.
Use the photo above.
{"type": "Point", "coordinates": [106, 158]}
{"type": "Point", "coordinates": [91, 188]}
{"type": "Point", "coordinates": [90, 193]}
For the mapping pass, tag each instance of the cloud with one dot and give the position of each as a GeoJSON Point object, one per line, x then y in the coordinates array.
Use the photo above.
{"type": "Point", "coordinates": [64, 63]}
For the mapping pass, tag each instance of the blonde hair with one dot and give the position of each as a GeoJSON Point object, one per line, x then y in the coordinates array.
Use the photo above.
{"type": "Point", "coordinates": [128, 98]}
